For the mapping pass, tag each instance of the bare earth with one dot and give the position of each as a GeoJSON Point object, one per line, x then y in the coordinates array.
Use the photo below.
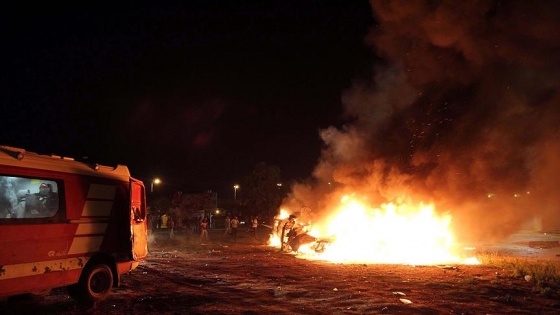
{"type": "Point", "coordinates": [247, 277]}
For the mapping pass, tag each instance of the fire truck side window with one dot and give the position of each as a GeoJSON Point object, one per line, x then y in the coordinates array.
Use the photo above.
{"type": "Point", "coordinates": [22, 197]}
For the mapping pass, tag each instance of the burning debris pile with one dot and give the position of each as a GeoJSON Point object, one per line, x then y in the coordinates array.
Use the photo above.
{"type": "Point", "coordinates": [462, 116]}
{"type": "Point", "coordinates": [355, 233]}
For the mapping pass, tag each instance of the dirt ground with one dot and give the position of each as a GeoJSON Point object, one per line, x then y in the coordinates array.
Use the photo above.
{"type": "Point", "coordinates": [247, 277]}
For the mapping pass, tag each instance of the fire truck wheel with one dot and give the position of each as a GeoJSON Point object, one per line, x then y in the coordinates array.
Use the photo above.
{"type": "Point", "coordinates": [95, 284]}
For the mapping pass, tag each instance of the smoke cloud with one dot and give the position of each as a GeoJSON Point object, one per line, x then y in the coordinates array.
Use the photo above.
{"type": "Point", "coordinates": [464, 112]}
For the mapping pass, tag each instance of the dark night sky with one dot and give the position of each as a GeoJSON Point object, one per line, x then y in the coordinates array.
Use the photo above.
{"type": "Point", "coordinates": [196, 93]}
{"type": "Point", "coordinates": [440, 101]}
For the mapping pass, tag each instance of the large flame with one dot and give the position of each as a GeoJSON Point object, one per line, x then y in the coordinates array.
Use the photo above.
{"type": "Point", "coordinates": [392, 233]}
{"type": "Point", "coordinates": [274, 239]}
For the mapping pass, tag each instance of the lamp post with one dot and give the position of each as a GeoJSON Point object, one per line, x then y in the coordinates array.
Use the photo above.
{"type": "Point", "coordinates": [235, 187]}
{"type": "Point", "coordinates": [156, 181]}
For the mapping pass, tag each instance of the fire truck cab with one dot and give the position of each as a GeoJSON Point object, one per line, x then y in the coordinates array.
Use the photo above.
{"type": "Point", "coordinates": [65, 223]}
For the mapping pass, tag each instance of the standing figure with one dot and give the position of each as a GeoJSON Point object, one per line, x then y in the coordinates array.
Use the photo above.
{"type": "Point", "coordinates": [234, 223]}
{"type": "Point", "coordinates": [254, 225]}
{"type": "Point", "coordinates": [227, 223]}
{"type": "Point", "coordinates": [286, 226]}
{"type": "Point", "coordinates": [171, 226]}
{"type": "Point", "coordinates": [204, 230]}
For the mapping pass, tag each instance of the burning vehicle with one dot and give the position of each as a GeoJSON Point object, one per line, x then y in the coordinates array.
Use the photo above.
{"type": "Point", "coordinates": [357, 233]}
{"type": "Point", "coordinates": [291, 234]}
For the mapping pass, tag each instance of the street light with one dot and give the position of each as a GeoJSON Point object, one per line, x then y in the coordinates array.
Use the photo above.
{"type": "Point", "coordinates": [156, 181]}
{"type": "Point", "coordinates": [235, 187]}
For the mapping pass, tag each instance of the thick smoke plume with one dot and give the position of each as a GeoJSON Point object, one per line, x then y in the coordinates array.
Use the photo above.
{"type": "Point", "coordinates": [464, 112]}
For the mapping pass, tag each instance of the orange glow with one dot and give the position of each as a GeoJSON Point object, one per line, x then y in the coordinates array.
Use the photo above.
{"type": "Point", "coordinates": [392, 233]}
{"type": "Point", "coordinates": [274, 239]}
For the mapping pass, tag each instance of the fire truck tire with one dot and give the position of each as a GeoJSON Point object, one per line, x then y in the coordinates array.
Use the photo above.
{"type": "Point", "coordinates": [95, 284]}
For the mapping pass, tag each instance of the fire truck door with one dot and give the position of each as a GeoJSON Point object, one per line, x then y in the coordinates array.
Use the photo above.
{"type": "Point", "coordinates": [138, 222]}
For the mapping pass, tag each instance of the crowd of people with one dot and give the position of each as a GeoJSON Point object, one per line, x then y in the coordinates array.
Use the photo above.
{"type": "Point", "coordinates": [197, 228]}
{"type": "Point", "coordinates": [291, 233]}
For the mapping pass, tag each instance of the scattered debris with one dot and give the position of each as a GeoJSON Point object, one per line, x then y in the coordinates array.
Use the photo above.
{"type": "Point", "coordinates": [405, 301]}
{"type": "Point", "coordinates": [399, 293]}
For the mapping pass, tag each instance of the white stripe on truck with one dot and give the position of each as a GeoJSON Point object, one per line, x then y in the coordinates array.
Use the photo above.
{"type": "Point", "coordinates": [97, 191]}
{"type": "Point", "coordinates": [41, 267]}
{"type": "Point", "coordinates": [91, 228]}
{"type": "Point", "coordinates": [97, 208]}
{"type": "Point", "coordinates": [85, 244]}
{"type": "Point", "coordinates": [89, 235]}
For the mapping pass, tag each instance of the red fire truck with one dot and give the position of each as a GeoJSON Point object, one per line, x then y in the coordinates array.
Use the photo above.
{"type": "Point", "coordinates": [65, 223]}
